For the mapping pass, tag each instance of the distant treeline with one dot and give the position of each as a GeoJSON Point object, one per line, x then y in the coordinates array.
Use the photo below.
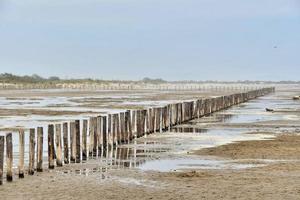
{"type": "Point", "coordinates": [15, 79]}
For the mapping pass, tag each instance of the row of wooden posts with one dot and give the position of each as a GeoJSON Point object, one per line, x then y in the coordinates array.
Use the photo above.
{"type": "Point", "coordinates": [132, 86]}
{"type": "Point", "coordinates": [105, 132]}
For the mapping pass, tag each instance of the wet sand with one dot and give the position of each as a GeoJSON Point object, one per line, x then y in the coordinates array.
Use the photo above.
{"type": "Point", "coordinates": [277, 178]}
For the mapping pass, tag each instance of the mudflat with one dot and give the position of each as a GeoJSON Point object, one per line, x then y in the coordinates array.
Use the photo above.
{"type": "Point", "coordinates": [273, 170]}
{"type": "Point", "coordinates": [279, 179]}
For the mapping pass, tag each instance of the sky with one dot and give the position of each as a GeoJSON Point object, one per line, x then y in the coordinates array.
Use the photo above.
{"type": "Point", "coordinates": [169, 39]}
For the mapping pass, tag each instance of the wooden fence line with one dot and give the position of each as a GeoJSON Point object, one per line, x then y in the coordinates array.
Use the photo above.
{"type": "Point", "coordinates": [103, 132]}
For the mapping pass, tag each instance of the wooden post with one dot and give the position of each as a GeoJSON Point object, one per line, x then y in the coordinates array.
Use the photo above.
{"type": "Point", "coordinates": [51, 146]}
{"type": "Point", "coordinates": [180, 113]}
{"type": "Point", "coordinates": [147, 123]}
{"type": "Point", "coordinates": [159, 121]}
{"type": "Point", "coordinates": [128, 128]}
{"type": "Point", "coordinates": [114, 136]}
{"type": "Point", "coordinates": [143, 122]}
{"type": "Point", "coordinates": [73, 142]}
{"type": "Point", "coordinates": [95, 137]}
{"type": "Point", "coordinates": [1, 158]}
{"type": "Point", "coordinates": [91, 136]}
{"type": "Point", "coordinates": [99, 135]}
{"type": "Point", "coordinates": [39, 159]}
{"type": "Point", "coordinates": [84, 140]}
{"type": "Point", "coordinates": [156, 113]}
{"type": "Point", "coordinates": [118, 128]}
{"type": "Point", "coordinates": [66, 143]}
{"type": "Point", "coordinates": [133, 124]}
{"type": "Point", "coordinates": [77, 133]}
{"type": "Point", "coordinates": [104, 132]}
{"type": "Point", "coordinates": [31, 151]}
{"type": "Point", "coordinates": [138, 123]}
{"type": "Point", "coordinates": [21, 154]}
{"type": "Point", "coordinates": [150, 122]}
{"type": "Point", "coordinates": [9, 157]}
{"type": "Point", "coordinates": [122, 127]}
{"type": "Point", "coordinates": [164, 118]}
{"type": "Point", "coordinates": [169, 116]}
{"type": "Point", "coordinates": [176, 114]}
{"type": "Point", "coordinates": [109, 132]}
{"type": "Point", "coordinates": [58, 145]}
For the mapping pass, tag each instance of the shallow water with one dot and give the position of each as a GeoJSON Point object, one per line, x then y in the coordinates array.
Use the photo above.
{"type": "Point", "coordinates": [168, 165]}
{"type": "Point", "coordinates": [169, 151]}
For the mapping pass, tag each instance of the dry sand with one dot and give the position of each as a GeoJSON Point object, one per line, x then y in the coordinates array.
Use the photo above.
{"type": "Point", "coordinates": [283, 147]}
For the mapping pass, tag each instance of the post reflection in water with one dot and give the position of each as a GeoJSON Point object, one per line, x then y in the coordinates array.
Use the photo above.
{"type": "Point", "coordinates": [121, 157]}
{"type": "Point", "coordinates": [134, 154]}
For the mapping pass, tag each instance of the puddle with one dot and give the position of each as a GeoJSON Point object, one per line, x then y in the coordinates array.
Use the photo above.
{"type": "Point", "coordinates": [169, 165]}
{"type": "Point", "coordinates": [138, 182]}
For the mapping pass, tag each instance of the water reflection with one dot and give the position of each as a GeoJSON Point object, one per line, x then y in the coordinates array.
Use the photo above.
{"type": "Point", "coordinates": [188, 130]}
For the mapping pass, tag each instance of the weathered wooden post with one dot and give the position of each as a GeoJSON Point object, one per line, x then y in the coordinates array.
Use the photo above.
{"type": "Point", "coordinates": [138, 123]}
{"type": "Point", "coordinates": [114, 129]}
{"type": "Point", "coordinates": [21, 153]}
{"type": "Point", "coordinates": [39, 159]}
{"type": "Point", "coordinates": [192, 107]}
{"type": "Point", "coordinates": [51, 146]}
{"type": "Point", "coordinates": [104, 133]}
{"type": "Point", "coordinates": [180, 113]}
{"type": "Point", "coordinates": [143, 121]}
{"type": "Point", "coordinates": [149, 121]}
{"type": "Point", "coordinates": [1, 159]}
{"type": "Point", "coordinates": [133, 124]}
{"type": "Point", "coordinates": [122, 127]}
{"type": "Point", "coordinates": [77, 133]}
{"type": "Point", "coordinates": [126, 136]}
{"type": "Point", "coordinates": [9, 157]}
{"type": "Point", "coordinates": [128, 126]}
{"type": "Point", "coordinates": [152, 120]}
{"type": "Point", "coordinates": [84, 140]}
{"type": "Point", "coordinates": [156, 120]}
{"type": "Point", "coordinates": [99, 135]}
{"type": "Point", "coordinates": [31, 151]}
{"type": "Point", "coordinates": [147, 124]}
{"type": "Point", "coordinates": [58, 145]}
{"type": "Point", "coordinates": [91, 136]}
{"type": "Point", "coordinates": [160, 115]}
{"type": "Point", "coordinates": [109, 132]}
{"type": "Point", "coordinates": [184, 111]}
{"type": "Point", "coordinates": [117, 129]}
{"type": "Point", "coordinates": [66, 143]}
{"type": "Point", "coordinates": [95, 136]}
{"type": "Point", "coordinates": [170, 115]}
{"type": "Point", "coordinates": [176, 114]}
{"type": "Point", "coordinates": [163, 123]}
{"type": "Point", "coordinates": [73, 142]}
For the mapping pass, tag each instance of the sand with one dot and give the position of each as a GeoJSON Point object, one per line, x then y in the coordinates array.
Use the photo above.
{"type": "Point", "coordinates": [277, 180]}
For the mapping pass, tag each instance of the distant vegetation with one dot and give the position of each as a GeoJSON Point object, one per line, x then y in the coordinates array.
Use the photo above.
{"type": "Point", "coordinates": [33, 79]}
{"type": "Point", "coordinates": [14, 79]}
{"type": "Point", "coordinates": [155, 81]}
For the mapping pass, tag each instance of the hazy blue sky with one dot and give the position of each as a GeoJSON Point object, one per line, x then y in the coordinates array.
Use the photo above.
{"type": "Point", "coordinates": [171, 39]}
